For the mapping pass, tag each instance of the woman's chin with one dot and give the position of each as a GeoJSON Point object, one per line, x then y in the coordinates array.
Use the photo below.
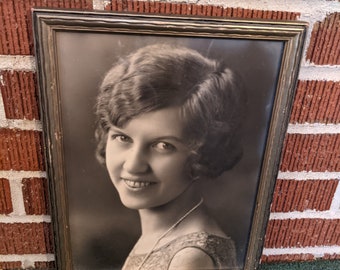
{"type": "Point", "coordinates": [134, 204]}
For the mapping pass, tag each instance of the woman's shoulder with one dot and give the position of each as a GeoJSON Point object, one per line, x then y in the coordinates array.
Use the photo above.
{"type": "Point", "coordinates": [210, 248]}
{"type": "Point", "coordinates": [191, 258]}
{"type": "Point", "coordinates": [207, 242]}
{"type": "Point", "coordinates": [204, 239]}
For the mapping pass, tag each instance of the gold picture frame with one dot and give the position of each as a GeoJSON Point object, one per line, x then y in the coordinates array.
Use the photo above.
{"type": "Point", "coordinates": [75, 48]}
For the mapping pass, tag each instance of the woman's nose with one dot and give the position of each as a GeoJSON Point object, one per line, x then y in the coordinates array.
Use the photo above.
{"type": "Point", "coordinates": [136, 161]}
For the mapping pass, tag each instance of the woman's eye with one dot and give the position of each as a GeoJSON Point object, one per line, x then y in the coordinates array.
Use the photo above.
{"type": "Point", "coordinates": [164, 147]}
{"type": "Point", "coordinates": [121, 138]}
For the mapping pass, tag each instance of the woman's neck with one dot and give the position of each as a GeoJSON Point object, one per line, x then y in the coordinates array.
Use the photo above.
{"type": "Point", "coordinates": [181, 216]}
{"type": "Point", "coordinates": [157, 220]}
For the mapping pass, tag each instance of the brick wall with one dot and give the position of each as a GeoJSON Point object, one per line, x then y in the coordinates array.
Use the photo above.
{"type": "Point", "coordinates": [305, 216]}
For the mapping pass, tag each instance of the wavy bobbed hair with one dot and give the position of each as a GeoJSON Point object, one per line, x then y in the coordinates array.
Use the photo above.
{"type": "Point", "coordinates": [208, 94]}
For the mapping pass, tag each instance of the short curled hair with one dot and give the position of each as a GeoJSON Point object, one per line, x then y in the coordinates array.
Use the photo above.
{"type": "Point", "coordinates": [208, 94]}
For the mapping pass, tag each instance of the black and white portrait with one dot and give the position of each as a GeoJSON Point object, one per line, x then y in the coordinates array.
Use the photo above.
{"type": "Point", "coordinates": [196, 110]}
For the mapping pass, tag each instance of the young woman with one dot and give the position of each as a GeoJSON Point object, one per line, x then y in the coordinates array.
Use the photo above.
{"type": "Point", "coordinates": [167, 118]}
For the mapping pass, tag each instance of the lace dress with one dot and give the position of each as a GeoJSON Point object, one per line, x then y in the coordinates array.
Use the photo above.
{"type": "Point", "coordinates": [221, 250]}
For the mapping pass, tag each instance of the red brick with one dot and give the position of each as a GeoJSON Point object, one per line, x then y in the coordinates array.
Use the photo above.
{"type": "Point", "coordinates": [120, 5]}
{"type": "Point", "coordinates": [19, 95]}
{"type": "Point", "coordinates": [44, 265]}
{"type": "Point", "coordinates": [209, 11]}
{"type": "Point", "coordinates": [151, 8]}
{"type": "Point", "coordinates": [35, 193]}
{"type": "Point", "coordinates": [291, 195]}
{"type": "Point", "coordinates": [16, 24]}
{"type": "Point", "coordinates": [326, 233]}
{"type": "Point", "coordinates": [162, 8]}
{"type": "Point", "coordinates": [21, 150]}
{"type": "Point", "coordinates": [302, 233]}
{"type": "Point", "coordinates": [270, 234]}
{"type": "Point", "coordinates": [333, 256]}
{"type": "Point", "coordinates": [167, 8]}
{"type": "Point", "coordinates": [286, 258]}
{"type": "Point", "coordinates": [10, 265]}
{"type": "Point", "coordinates": [108, 7]}
{"type": "Point", "coordinates": [311, 152]}
{"type": "Point", "coordinates": [130, 5]}
{"type": "Point", "coordinates": [141, 6]}
{"type": "Point", "coordinates": [6, 206]}
{"type": "Point", "coordinates": [324, 47]}
{"type": "Point", "coordinates": [26, 238]}
{"type": "Point", "coordinates": [316, 102]}
{"type": "Point", "coordinates": [316, 236]}
{"type": "Point", "coordinates": [200, 10]}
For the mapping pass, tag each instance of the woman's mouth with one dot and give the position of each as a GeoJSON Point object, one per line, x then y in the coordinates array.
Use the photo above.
{"type": "Point", "coordinates": [137, 184]}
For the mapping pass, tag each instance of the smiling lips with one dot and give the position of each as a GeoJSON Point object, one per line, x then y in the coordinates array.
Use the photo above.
{"type": "Point", "coordinates": [137, 184]}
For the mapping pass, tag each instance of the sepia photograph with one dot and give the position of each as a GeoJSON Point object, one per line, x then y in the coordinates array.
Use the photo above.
{"type": "Point", "coordinates": [163, 142]}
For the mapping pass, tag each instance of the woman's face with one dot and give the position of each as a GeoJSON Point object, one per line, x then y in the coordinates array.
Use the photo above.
{"type": "Point", "coordinates": [146, 159]}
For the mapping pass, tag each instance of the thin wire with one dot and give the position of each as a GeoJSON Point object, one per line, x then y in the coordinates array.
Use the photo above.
{"type": "Point", "coordinates": [169, 230]}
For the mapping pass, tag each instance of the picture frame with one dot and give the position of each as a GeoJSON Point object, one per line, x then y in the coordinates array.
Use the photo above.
{"type": "Point", "coordinates": [74, 50]}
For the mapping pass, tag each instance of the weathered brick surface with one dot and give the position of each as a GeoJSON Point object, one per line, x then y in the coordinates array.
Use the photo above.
{"type": "Point", "coordinates": [200, 10]}
{"type": "Point", "coordinates": [297, 257]}
{"type": "Point", "coordinates": [333, 256]}
{"type": "Point", "coordinates": [35, 192]}
{"type": "Point", "coordinates": [16, 25]}
{"type": "Point", "coordinates": [6, 206]}
{"type": "Point", "coordinates": [26, 238]}
{"type": "Point", "coordinates": [316, 102]}
{"type": "Point", "coordinates": [302, 233]}
{"type": "Point", "coordinates": [21, 150]}
{"type": "Point", "coordinates": [19, 94]}
{"type": "Point", "coordinates": [291, 195]}
{"type": "Point", "coordinates": [311, 152]}
{"type": "Point", "coordinates": [324, 46]}
{"type": "Point", "coordinates": [45, 265]}
{"type": "Point", "coordinates": [286, 258]}
{"type": "Point", "coordinates": [10, 265]}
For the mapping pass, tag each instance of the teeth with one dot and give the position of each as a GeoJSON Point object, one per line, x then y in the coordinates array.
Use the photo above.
{"type": "Point", "coordinates": [137, 184]}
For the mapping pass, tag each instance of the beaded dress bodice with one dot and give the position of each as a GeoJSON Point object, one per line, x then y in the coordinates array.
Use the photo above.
{"type": "Point", "coordinates": [221, 250]}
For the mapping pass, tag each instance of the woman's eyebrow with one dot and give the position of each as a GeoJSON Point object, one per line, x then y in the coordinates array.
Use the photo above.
{"type": "Point", "coordinates": [115, 129]}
